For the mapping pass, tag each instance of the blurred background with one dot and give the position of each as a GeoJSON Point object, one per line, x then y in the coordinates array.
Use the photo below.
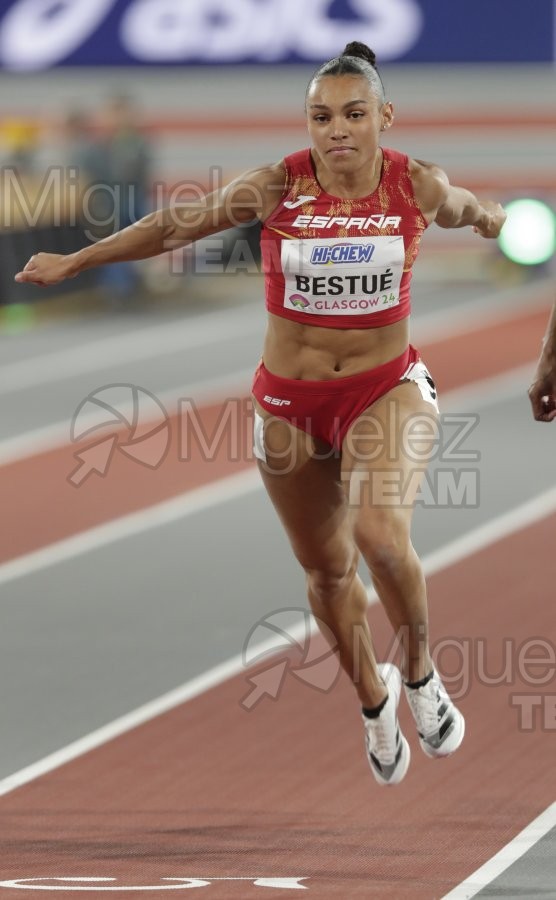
{"type": "Point", "coordinates": [114, 107]}
{"type": "Point", "coordinates": [110, 112]}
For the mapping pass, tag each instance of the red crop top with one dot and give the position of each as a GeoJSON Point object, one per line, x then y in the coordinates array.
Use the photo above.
{"type": "Point", "coordinates": [342, 263]}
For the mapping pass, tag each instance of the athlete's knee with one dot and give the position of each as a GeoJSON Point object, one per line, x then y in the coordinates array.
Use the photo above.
{"type": "Point", "coordinates": [329, 582]}
{"type": "Point", "coordinates": [384, 543]}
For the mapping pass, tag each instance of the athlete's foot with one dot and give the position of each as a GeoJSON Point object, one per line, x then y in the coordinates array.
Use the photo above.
{"type": "Point", "coordinates": [387, 749]}
{"type": "Point", "coordinates": [440, 724]}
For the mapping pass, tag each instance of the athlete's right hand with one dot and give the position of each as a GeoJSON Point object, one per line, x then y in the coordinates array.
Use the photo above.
{"type": "Point", "coordinates": [46, 268]}
{"type": "Point", "coordinates": [492, 219]}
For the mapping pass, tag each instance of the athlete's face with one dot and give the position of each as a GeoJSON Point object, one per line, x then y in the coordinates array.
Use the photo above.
{"type": "Point", "coordinates": [345, 118]}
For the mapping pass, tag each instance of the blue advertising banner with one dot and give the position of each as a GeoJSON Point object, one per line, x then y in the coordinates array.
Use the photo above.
{"type": "Point", "coordinates": [40, 34]}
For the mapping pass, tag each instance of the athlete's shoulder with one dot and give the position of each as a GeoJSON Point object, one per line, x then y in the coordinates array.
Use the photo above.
{"type": "Point", "coordinates": [429, 178]}
{"type": "Point", "coordinates": [259, 189]}
{"type": "Point", "coordinates": [430, 186]}
{"type": "Point", "coordinates": [273, 173]}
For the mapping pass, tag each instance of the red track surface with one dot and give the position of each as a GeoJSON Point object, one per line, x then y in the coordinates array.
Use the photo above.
{"type": "Point", "coordinates": [44, 507]}
{"type": "Point", "coordinates": [284, 790]}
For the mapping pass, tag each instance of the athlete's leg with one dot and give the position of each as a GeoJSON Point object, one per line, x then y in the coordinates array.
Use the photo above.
{"type": "Point", "coordinates": [385, 456]}
{"type": "Point", "coordinates": [384, 478]}
{"type": "Point", "coordinates": [310, 500]}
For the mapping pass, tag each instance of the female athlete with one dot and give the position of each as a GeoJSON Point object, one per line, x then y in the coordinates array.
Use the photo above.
{"type": "Point", "coordinates": [339, 392]}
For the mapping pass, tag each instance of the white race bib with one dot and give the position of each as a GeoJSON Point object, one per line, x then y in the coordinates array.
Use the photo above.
{"type": "Point", "coordinates": [343, 276]}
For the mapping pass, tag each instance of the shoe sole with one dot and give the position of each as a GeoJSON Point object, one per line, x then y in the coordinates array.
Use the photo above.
{"type": "Point", "coordinates": [453, 739]}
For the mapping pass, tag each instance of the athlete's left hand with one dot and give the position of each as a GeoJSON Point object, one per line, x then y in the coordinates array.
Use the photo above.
{"type": "Point", "coordinates": [491, 220]}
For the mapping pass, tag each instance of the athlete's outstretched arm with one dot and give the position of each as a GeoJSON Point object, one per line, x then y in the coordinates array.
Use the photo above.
{"type": "Point", "coordinates": [454, 207]}
{"type": "Point", "coordinates": [250, 196]}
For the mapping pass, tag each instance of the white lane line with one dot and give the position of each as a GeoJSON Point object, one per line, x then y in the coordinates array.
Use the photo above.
{"type": "Point", "coordinates": [193, 500]}
{"type": "Point", "coordinates": [145, 343]}
{"type": "Point", "coordinates": [482, 312]}
{"type": "Point", "coordinates": [488, 533]}
{"type": "Point", "coordinates": [517, 847]}
{"type": "Point", "coordinates": [186, 504]}
{"type": "Point", "coordinates": [469, 398]}
{"type": "Point", "coordinates": [210, 390]}
{"type": "Point", "coordinates": [217, 327]}
{"type": "Point", "coordinates": [453, 552]}
{"type": "Point", "coordinates": [475, 395]}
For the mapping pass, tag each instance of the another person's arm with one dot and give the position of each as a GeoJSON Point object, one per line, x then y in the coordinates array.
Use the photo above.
{"type": "Point", "coordinates": [542, 392]}
{"type": "Point", "coordinates": [250, 196]}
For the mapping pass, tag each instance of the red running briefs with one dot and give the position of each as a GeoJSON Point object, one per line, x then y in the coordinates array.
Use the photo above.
{"type": "Point", "coordinates": [327, 409]}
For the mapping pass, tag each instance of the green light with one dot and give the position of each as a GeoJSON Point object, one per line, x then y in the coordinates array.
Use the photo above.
{"type": "Point", "coordinates": [529, 233]}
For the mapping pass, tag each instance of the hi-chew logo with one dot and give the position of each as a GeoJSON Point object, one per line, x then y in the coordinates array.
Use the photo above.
{"type": "Point", "coordinates": [342, 253]}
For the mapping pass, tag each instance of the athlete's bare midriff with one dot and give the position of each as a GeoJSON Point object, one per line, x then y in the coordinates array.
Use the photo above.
{"type": "Point", "coordinates": [312, 353]}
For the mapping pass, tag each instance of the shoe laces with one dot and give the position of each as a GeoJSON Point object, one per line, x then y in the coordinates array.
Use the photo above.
{"type": "Point", "coordinates": [382, 738]}
{"type": "Point", "coordinates": [425, 703]}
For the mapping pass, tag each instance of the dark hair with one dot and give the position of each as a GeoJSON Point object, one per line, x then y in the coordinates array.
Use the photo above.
{"type": "Point", "coordinates": [356, 59]}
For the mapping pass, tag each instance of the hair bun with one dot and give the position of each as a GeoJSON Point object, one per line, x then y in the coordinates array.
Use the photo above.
{"type": "Point", "coordinates": [360, 51]}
